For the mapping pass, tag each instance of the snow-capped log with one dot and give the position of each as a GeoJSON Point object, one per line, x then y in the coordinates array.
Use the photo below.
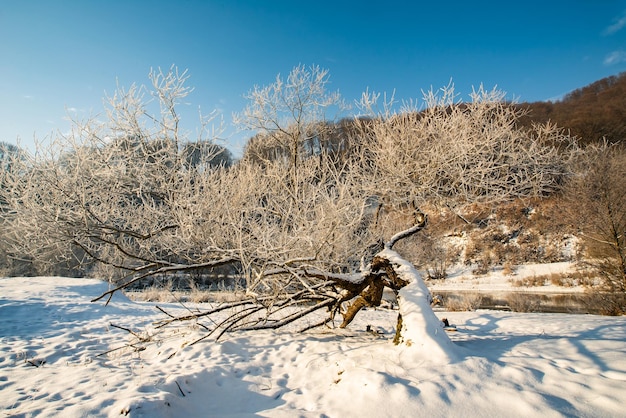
{"type": "Point", "coordinates": [420, 331]}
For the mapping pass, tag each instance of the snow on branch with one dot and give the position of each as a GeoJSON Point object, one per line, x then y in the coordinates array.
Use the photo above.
{"type": "Point", "coordinates": [420, 223]}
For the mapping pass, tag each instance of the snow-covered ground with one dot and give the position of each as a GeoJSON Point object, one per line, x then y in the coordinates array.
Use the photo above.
{"type": "Point", "coordinates": [462, 278]}
{"type": "Point", "coordinates": [53, 363]}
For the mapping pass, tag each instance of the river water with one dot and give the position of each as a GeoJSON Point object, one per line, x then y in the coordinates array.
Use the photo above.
{"type": "Point", "coordinates": [526, 301]}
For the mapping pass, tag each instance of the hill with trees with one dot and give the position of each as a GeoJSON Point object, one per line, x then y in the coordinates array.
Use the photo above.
{"type": "Point", "coordinates": [591, 113]}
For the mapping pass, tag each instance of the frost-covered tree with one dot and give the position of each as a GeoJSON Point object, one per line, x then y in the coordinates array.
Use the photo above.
{"type": "Point", "coordinates": [115, 187]}
{"type": "Point", "coordinates": [305, 231]}
{"type": "Point", "coordinates": [289, 116]}
{"type": "Point", "coordinates": [449, 153]}
{"type": "Point", "coordinates": [120, 190]}
{"type": "Point", "coordinates": [11, 159]}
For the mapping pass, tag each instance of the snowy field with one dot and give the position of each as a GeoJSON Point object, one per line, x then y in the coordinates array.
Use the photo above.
{"type": "Point", "coordinates": [462, 278]}
{"type": "Point", "coordinates": [60, 356]}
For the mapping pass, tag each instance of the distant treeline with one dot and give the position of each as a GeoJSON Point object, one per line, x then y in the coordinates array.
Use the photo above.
{"type": "Point", "coordinates": [591, 113]}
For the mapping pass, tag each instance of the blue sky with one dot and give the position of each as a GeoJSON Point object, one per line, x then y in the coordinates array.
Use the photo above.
{"type": "Point", "coordinates": [62, 56]}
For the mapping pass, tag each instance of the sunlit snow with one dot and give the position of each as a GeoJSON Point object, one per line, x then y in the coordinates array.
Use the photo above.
{"type": "Point", "coordinates": [61, 355]}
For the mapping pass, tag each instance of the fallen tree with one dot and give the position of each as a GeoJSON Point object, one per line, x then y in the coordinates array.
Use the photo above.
{"type": "Point", "coordinates": [418, 328]}
{"type": "Point", "coordinates": [357, 290]}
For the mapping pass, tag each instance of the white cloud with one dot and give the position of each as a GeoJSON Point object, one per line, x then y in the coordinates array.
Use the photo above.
{"type": "Point", "coordinates": [615, 57]}
{"type": "Point", "coordinates": [619, 24]}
